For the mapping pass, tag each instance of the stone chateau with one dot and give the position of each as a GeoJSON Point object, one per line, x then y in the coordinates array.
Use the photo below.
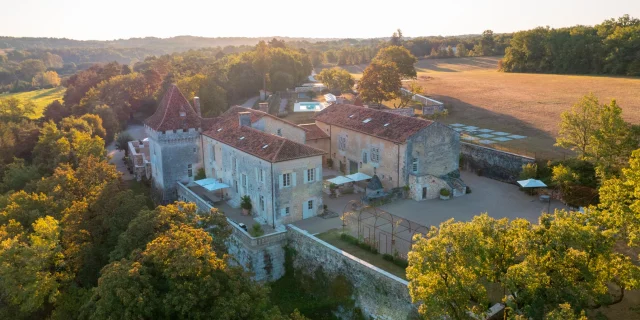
{"type": "Point", "coordinates": [279, 165]}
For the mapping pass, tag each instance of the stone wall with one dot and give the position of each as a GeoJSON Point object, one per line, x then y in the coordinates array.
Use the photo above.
{"type": "Point", "coordinates": [378, 293]}
{"type": "Point", "coordinates": [171, 153]}
{"type": "Point", "coordinates": [492, 163]}
{"type": "Point", "coordinates": [265, 259]}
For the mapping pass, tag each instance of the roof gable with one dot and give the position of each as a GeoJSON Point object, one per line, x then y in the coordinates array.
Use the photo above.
{"type": "Point", "coordinates": [272, 148]}
{"type": "Point", "coordinates": [381, 124]}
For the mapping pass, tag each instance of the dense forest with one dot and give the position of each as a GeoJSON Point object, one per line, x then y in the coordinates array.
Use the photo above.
{"type": "Point", "coordinates": [612, 47]}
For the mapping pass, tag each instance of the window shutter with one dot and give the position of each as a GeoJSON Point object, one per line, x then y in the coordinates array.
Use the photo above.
{"type": "Point", "coordinates": [305, 175]}
{"type": "Point", "coordinates": [256, 171]}
{"type": "Point", "coordinates": [262, 172]}
{"type": "Point", "coordinates": [293, 179]}
{"type": "Point", "coordinates": [319, 173]}
{"type": "Point", "coordinates": [281, 183]}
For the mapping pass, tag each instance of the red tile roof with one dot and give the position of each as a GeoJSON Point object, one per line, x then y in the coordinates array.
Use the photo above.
{"type": "Point", "coordinates": [174, 113]}
{"type": "Point", "coordinates": [398, 128]}
{"type": "Point", "coordinates": [226, 129]}
{"type": "Point", "coordinates": [313, 131]}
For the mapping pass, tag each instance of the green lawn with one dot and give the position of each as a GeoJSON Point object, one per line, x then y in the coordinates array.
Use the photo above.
{"type": "Point", "coordinates": [41, 98]}
{"type": "Point", "coordinates": [333, 238]}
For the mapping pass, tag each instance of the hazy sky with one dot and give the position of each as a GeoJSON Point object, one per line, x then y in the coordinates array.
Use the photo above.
{"type": "Point", "coordinates": [114, 19]}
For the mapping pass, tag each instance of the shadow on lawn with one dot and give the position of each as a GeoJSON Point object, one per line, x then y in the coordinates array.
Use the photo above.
{"type": "Point", "coordinates": [538, 144]}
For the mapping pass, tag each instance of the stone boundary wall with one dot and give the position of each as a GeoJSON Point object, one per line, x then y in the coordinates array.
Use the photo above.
{"type": "Point", "coordinates": [492, 163]}
{"type": "Point", "coordinates": [378, 293]}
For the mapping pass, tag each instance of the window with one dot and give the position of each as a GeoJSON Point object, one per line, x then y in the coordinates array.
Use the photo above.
{"type": "Point", "coordinates": [261, 175]}
{"type": "Point", "coordinates": [310, 204]}
{"type": "Point", "coordinates": [286, 180]}
{"type": "Point", "coordinates": [194, 150]}
{"type": "Point", "coordinates": [364, 157]}
{"type": "Point", "coordinates": [244, 181]}
{"type": "Point", "coordinates": [189, 170]}
{"type": "Point", "coordinates": [375, 154]}
{"type": "Point", "coordinates": [261, 203]}
{"type": "Point", "coordinates": [342, 143]}
{"type": "Point", "coordinates": [414, 165]}
{"type": "Point", "coordinates": [311, 175]}
{"type": "Point", "coordinates": [286, 211]}
{"type": "Point", "coordinates": [279, 132]}
{"type": "Point", "coordinates": [366, 120]}
{"type": "Point", "coordinates": [235, 185]}
{"type": "Point", "coordinates": [213, 153]}
{"type": "Point", "coordinates": [234, 164]}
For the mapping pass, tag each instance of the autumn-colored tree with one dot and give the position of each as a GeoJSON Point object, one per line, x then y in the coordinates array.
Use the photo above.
{"type": "Point", "coordinates": [612, 142]}
{"type": "Point", "coordinates": [403, 59]}
{"type": "Point", "coordinates": [122, 142]}
{"type": "Point", "coordinates": [619, 207]}
{"type": "Point", "coordinates": [336, 79]}
{"type": "Point", "coordinates": [14, 109]}
{"type": "Point", "coordinates": [32, 268]}
{"type": "Point", "coordinates": [262, 62]}
{"type": "Point", "coordinates": [109, 121]}
{"type": "Point", "coordinates": [52, 148]}
{"type": "Point", "coordinates": [565, 258]}
{"type": "Point", "coordinates": [17, 174]}
{"type": "Point", "coordinates": [47, 79]}
{"type": "Point", "coordinates": [56, 111]}
{"type": "Point", "coordinates": [380, 82]}
{"type": "Point", "coordinates": [578, 126]}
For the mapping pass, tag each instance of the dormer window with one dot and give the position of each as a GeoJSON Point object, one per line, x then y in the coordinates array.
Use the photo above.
{"type": "Point", "coordinates": [219, 130]}
{"type": "Point", "coordinates": [241, 138]}
{"type": "Point", "coordinates": [386, 124]}
{"type": "Point", "coordinates": [265, 146]}
{"type": "Point", "coordinates": [183, 114]}
{"type": "Point", "coordinates": [366, 120]}
{"type": "Point", "coordinates": [351, 116]}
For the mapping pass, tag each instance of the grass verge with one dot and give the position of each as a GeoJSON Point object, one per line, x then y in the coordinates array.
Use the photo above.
{"type": "Point", "coordinates": [41, 98]}
{"type": "Point", "coordinates": [333, 238]}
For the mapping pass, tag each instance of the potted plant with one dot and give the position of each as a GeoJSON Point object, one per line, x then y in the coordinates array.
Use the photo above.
{"type": "Point", "coordinates": [445, 194]}
{"type": "Point", "coordinates": [245, 204]}
{"type": "Point", "coordinates": [406, 189]}
{"type": "Point", "coordinates": [332, 190]}
{"type": "Point", "coordinates": [330, 163]}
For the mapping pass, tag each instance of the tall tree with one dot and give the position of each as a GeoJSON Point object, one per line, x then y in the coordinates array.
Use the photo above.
{"type": "Point", "coordinates": [403, 59]}
{"type": "Point", "coordinates": [380, 82]}
{"type": "Point", "coordinates": [336, 79]}
{"type": "Point", "coordinates": [578, 126]}
{"type": "Point", "coordinates": [613, 141]}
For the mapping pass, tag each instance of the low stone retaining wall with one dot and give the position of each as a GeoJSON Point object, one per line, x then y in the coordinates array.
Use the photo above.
{"type": "Point", "coordinates": [378, 293]}
{"type": "Point", "coordinates": [492, 163]}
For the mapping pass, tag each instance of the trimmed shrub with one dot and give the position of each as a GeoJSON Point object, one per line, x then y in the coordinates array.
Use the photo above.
{"type": "Point", "coordinates": [387, 257]}
{"type": "Point", "coordinates": [445, 192]}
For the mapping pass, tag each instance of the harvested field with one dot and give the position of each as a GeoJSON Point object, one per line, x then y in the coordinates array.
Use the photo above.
{"type": "Point", "coordinates": [476, 94]}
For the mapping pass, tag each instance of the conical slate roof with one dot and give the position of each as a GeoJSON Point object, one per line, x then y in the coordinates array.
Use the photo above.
{"type": "Point", "coordinates": [174, 113]}
{"type": "Point", "coordinates": [374, 183]}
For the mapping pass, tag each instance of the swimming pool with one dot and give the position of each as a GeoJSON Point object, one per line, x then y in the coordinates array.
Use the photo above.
{"type": "Point", "coordinates": [309, 106]}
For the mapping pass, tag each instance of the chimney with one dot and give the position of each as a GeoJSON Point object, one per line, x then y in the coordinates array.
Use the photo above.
{"type": "Point", "coordinates": [196, 105]}
{"type": "Point", "coordinates": [245, 118]}
{"type": "Point", "coordinates": [264, 107]}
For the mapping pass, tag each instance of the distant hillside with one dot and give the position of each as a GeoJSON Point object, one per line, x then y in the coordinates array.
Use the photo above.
{"type": "Point", "coordinates": [173, 44]}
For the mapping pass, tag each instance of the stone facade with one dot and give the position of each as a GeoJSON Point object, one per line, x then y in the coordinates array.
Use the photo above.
{"type": "Point", "coordinates": [280, 128]}
{"type": "Point", "coordinates": [175, 156]}
{"type": "Point", "coordinates": [356, 156]}
{"type": "Point", "coordinates": [262, 181]}
{"type": "Point", "coordinates": [433, 151]}
{"type": "Point", "coordinates": [492, 163]}
{"type": "Point", "coordinates": [378, 293]}
{"type": "Point", "coordinates": [139, 158]}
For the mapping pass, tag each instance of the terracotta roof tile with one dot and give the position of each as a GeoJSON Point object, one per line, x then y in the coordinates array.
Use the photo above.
{"type": "Point", "coordinates": [384, 125]}
{"type": "Point", "coordinates": [173, 113]}
{"type": "Point", "coordinates": [313, 131]}
{"type": "Point", "coordinates": [272, 148]}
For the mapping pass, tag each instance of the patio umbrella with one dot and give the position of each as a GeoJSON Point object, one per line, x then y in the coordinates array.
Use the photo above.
{"type": "Point", "coordinates": [339, 180]}
{"type": "Point", "coordinates": [532, 183]}
{"type": "Point", "coordinates": [359, 176]}
{"type": "Point", "coordinates": [211, 184]}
